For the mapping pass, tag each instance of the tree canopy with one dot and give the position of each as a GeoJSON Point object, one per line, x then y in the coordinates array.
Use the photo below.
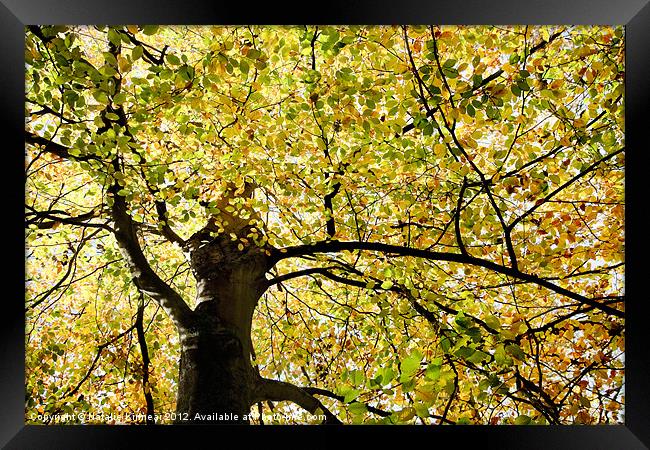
{"type": "Point", "coordinates": [443, 207]}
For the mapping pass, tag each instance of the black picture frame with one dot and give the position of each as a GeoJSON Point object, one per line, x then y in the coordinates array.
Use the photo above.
{"type": "Point", "coordinates": [634, 14]}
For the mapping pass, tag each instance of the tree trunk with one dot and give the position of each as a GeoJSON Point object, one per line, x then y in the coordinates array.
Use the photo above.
{"type": "Point", "coordinates": [216, 378]}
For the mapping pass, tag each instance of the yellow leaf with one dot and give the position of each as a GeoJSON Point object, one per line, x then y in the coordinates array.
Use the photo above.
{"type": "Point", "coordinates": [407, 413]}
{"type": "Point", "coordinates": [123, 64]}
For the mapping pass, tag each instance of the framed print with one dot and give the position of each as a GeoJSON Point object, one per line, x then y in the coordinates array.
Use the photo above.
{"type": "Point", "coordinates": [384, 218]}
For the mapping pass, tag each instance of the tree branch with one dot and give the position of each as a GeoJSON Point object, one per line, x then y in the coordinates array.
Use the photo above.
{"type": "Point", "coordinates": [100, 349]}
{"type": "Point", "coordinates": [330, 394]}
{"type": "Point", "coordinates": [298, 273]}
{"type": "Point", "coordinates": [273, 390]}
{"type": "Point", "coordinates": [544, 200]}
{"type": "Point", "coordinates": [338, 246]}
{"type": "Point", "coordinates": [54, 148]}
{"type": "Point", "coordinates": [36, 218]}
{"type": "Point", "coordinates": [146, 54]}
{"type": "Point", "coordinates": [459, 208]}
{"type": "Point", "coordinates": [493, 76]}
{"type": "Point", "coordinates": [144, 277]}
{"type": "Point", "coordinates": [124, 230]}
{"type": "Point", "coordinates": [144, 350]}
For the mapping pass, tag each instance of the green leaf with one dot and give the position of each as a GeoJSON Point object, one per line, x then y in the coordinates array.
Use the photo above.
{"type": "Point", "coordinates": [492, 113]}
{"type": "Point", "coordinates": [462, 321]}
{"type": "Point", "coordinates": [186, 72]}
{"type": "Point", "coordinates": [108, 70]}
{"type": "Point", "coordinates": [387, 374]}
{"type": "Point", "coordinates": [357, 377]}
{"type": "Point", "coordinates": [351, 395]}
{"type": "Point", "coordinates": [357, 408]}
{"type": "Point", "coordinates": [110, 59]}
{"type": "Point", "coordinates": [243, 66]}
{"type": "Point", "coordinates": [410, 365]}
{"type": "Point", "coordinates": [523, 85]}
{"type": "Point", "coordinates": [477, 357]}
{"type": "Point", "coordinates": [492, 322]}
{"type": "Point", "coordinates": [493, 380]}
{"type": "Point", "coordinates": [450, 72]}
{"type": "Point", "coordinates": [516, 352]}
{"type": "Point", "coordinates": [421, 410]}
{"type": "Point", "coordinates": [100, 96]}
{"type": "Point", "coordinates": [150, 30]}
{"type": "Point", "coordinates": [407, 413]}
{"type": "Point", "coordinates": [119, 98]}
{"type": "Point", "coordinates": [432, 372]}
{"type": "Point", "coordinates": [173, 59]}
{"type": "Point", "coordinates": [387, 284]}
{"type": "Point", "coordinates": [253, 53]}
{"type": "Point", "coordinates": [137, 52]}
{"type": "Point", "coordinates": [445, 344]}
{"type": "Point", "coordinates": [464, 352]}
{"type": "Point", "coordinates": [114, 37]}
{"type": "Point", "coordinates": [523, 420]}
{"type": "Point", "coordinates": [500, 355]}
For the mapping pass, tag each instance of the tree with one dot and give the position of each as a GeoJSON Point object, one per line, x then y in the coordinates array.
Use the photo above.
{"type": "Point", "coordinates": [376, 224]}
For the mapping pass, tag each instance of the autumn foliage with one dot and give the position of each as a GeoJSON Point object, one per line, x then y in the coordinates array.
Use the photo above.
{"type": "Point", "coordinates": [444, 207]}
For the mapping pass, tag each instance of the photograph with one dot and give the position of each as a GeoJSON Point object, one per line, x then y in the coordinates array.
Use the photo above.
{"type": "Point", "coordinates": [325, 224]}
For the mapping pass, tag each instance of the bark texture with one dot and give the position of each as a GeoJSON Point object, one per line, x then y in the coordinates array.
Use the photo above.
{"type": "Point", "coordinates": [217, 381]}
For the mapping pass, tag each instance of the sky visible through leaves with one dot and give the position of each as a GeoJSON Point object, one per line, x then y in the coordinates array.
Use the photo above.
{"type": "Point", "coordinates": [501, 145]}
